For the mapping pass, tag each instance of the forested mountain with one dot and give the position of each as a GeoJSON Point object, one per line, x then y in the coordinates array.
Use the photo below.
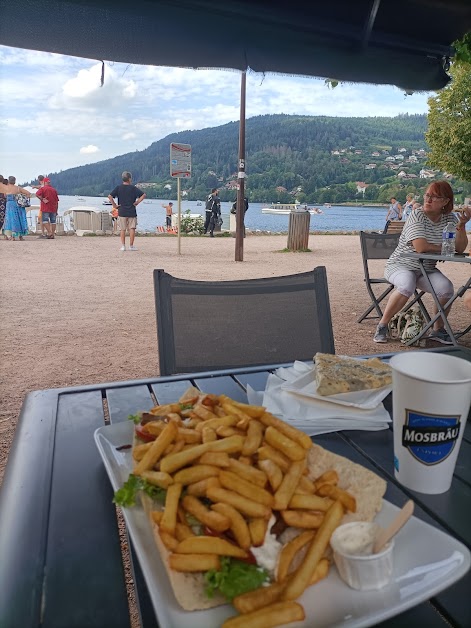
{"type": "Point", "coordinates": [316, 159]}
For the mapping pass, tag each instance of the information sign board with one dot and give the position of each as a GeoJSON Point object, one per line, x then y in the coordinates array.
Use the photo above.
{"type": "Point", "coordinates": [180, 160]}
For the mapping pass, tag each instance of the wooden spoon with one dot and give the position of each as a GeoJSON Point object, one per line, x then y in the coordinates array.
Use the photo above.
{"type": "Point", "coordinates": [401, 518]}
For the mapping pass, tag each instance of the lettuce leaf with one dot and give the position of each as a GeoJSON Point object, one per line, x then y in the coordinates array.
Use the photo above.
{"type": "Point", "coordinates": [126, 495]}
{"type": "Point", "coordinates": [234, 578]}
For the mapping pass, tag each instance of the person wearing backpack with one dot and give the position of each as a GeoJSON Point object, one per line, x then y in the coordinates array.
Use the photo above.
{"type": "Point", "coordinates": [213, 211]}
{"type": "Point", "coordinates": [246, 206]}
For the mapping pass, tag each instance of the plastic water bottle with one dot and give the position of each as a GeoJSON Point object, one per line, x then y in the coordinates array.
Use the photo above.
{"type": "Point", "coordinates": [448, 239]}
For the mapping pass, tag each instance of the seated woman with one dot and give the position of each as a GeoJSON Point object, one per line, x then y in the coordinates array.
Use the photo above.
{"type": "Point", "coordinates": [423, 234]}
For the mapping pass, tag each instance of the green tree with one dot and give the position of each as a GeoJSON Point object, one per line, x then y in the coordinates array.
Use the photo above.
{"type": "Point", "coordinates": [449, 119]}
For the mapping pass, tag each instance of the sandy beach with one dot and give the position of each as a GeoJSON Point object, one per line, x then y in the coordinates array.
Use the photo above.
{"type": "Point", "coordinates": [78, 311]}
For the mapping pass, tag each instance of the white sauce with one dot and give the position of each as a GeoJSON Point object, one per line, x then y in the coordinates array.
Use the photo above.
{"type": "Point", "coordinates": [267, 554]}
{"type": "Point", "coordinates": [356, 540]}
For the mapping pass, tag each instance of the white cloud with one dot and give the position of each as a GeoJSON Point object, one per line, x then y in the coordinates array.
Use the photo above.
{"type": "Point", "coordinates": [65, 105]}
{"type": "Point", "coordinates": [89, 150]}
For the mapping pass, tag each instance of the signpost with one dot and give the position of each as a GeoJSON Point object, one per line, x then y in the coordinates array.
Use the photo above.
{"type": "Point", "coordinates": [180, 168]}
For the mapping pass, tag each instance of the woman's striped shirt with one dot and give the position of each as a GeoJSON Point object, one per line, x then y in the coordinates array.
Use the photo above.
{"type": "Point", "coordinates": [418, 225]}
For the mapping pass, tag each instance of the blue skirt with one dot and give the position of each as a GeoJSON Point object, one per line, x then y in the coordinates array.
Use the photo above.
{"type": "Point", "coordinates": [15, 218]}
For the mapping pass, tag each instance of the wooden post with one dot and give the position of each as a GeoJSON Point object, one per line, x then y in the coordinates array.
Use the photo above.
{"type": "Point", "coordinates": [298, 231]}
{"type": "Point", "coordinates": [239, 240]}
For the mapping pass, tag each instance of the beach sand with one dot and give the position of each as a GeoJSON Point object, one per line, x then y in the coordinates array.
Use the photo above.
{"type": "Point", "coordinates": [79, 311]}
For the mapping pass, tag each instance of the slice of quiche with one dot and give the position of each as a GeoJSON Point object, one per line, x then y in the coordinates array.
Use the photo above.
{"type": "Point", "coordinates": [336, 374]}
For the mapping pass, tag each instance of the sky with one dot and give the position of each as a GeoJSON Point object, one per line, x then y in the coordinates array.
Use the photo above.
{"type": "Point", "coordinates": [56, 115]}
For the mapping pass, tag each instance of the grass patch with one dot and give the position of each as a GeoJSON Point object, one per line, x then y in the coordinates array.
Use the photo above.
{"type": "Point", "coordinates": [298, 251]}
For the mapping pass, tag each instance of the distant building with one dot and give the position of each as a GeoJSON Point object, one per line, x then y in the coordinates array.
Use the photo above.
{"type": "Point", "coordinates": [426, 174]}
{"type": "Point", "coordinates": [375, 154]}
{"type": "Point", "coordinates": [361, 187]}
{"type": "Point", "coordinates": [398, 157]}
{"type": "Point", "coordinates": [370, 166]}
{"type": "Point", "coordinates": [280, 188]}
{"type": "Point", "coordinates": [389, 159]}
{"type": "Point", "coordinates": [402, 150]}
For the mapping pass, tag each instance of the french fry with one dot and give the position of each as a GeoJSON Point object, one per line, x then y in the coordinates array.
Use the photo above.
{"type": "Point", "coordinates": [214, 458]}
{"type": "Point", "coordinates": [245, 460]}
{"type": "Point", "coordinates": [258, 598]}
{"type": "Point", "coordinates": [173, 416]}
{"type": "Point", "coordinates": [189, 435]}
{"type": "Point", "coordinates": [288, 430]}
{"type": "Point", "coordinates": [199, 489]}
{"type": "Point", "coordinates": [239, 527]}
{"type": "Point", "coordinates": [283, 443]}
{"type": "Point", "coordinates": [244, 505]}
{"type": "Point", "coordinates": [254, 438]}
{"type": "Point", "coordinates": [302, 518]}
{"type": "Point", "coordinates": [232, 409]}
{"type": "Point", "coordinates": [253, 411]}
{"type": "Point", "coordinates": [276, 614]}
{"type": "Point", "coordinates": [289, 551]}
{"type": "Point", "coordinates": [209, 545]}
{"type": "Point", "coordinates": [258, 529]}
{"type": "Point", "coordinates": [154, 427]}
{"type": "Point", "coordinates": [227, 421]}
{"type": "Point", "coordinates": [168, 540]}
{"type": "Point", "coordinates": [173, 462]}
{"type": "Point", "coordinates": [153, 454]}
{"type": "Point", "coordinates": [235, 483]}
{"type": "Point", "coordinates": [302, 577]}
{"type": "Point", "coordinates": [183, 531]}
{"type": "Point", "coordinates": [210, 518]}
{"type": "Point", "coordinates": [224, 430]}
{"type": "Point", "coordinates": [194, 562]}
{"type": "Point", "coordinates": [203, 412]}
{"type": "Point", "coordinates": [247, 472]}
{"type": "Point", "coordinates": [329, 477]}
{"type": "Point", "coordinates": [231, 445]}
{"type": "Point", "coordinates": [157, 478]}
{"type": "Point", "coordinates": [138, 451]}
{"type": "Point", "coordinates": [266, 452]}
{"type": "Point", "coordinates": [310, 502]}
{"type": "Point", "coordinates": [178, 445]}
{"type": "Point", "coordinates": [169, 519]}
{"type": "Point", "coordinates": [288, 485]}
{"type": "Point", "coordinates": [334, 492]}
{"type": "Point", "coordinates": [165, 409]}
{"type": "Point", "coordinates": [306, 485]}
{"type": "Point", "coordinates": [156, 516]}
{"type": "Point", "coordinates": [273, 471]}
{"type": "Point", "coordinates": [208, 435]}
{"type": "Point", "coordinates": [198, 472]}
{"type": "Point", "coordinates": [320, 572]}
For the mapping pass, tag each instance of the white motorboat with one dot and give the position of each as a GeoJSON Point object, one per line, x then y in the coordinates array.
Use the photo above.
{"type": "Point", "coordinates": [287, 208]}
{"type": "Point", "coordinates": [107, 202]}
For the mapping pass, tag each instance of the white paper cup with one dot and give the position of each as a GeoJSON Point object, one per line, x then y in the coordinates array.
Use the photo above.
{"type": "Point", "coordinates": [431, 400]}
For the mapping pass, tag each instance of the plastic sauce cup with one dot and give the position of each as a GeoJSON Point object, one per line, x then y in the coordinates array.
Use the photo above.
{"type": "Point", "coordinates": [361, 569]}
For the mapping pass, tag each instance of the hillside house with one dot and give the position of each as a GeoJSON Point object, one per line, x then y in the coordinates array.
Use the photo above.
{"type": "Point", "coordinates": [370, 166]}
{"type": "Point", "coordinates": [361, 187]}
{"type": "Point", "coordinates": [426, 174]}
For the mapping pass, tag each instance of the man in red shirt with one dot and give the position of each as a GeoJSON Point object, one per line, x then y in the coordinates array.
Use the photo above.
{"type": "Point", "coordinates": [49, 206]}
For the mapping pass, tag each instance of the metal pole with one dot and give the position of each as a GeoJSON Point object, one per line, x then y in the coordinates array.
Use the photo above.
{"type": "Point", "coordinates": [239, 240]}
{"type": "Point", "coordinates": [179, 196]}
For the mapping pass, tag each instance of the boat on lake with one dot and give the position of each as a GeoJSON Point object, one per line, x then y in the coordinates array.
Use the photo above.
{"type": "Point", "coordinates": [107, 202]}
{"type": "Point", "coordinates": [199, 202]}
{"type": "Point", "coordinates": [287, 208]}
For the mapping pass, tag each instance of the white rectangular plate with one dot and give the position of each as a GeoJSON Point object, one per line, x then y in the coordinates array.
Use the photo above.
{"type": "Point", "coordinates": [306, 386]}
{"type": "Point", "coordinates": [426, 562]}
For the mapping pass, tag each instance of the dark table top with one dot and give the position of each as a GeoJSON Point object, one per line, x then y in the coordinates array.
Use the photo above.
{"type": "Point", "coordinates": [60, 558]}
{"type": "Point", "coordinates": [438, 257]}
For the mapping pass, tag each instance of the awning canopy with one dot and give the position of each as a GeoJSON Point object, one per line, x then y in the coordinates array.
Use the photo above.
{"type": "Point", "coordinates": [398, 42]}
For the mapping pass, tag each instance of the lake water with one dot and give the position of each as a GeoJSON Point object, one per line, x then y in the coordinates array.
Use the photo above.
{"type": "Point", "coordinates": [151, 214]}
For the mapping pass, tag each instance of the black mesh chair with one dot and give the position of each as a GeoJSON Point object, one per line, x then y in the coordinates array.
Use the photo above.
{"type": "Point", "coordinates": [214, 325]}
{"type": "Point", "coordinates": [380, 246]}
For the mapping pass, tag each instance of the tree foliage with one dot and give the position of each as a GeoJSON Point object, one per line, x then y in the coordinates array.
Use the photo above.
{"type": "Point", "coordinates": [449, 120]}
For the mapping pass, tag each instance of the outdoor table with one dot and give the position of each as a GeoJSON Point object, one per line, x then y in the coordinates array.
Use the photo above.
{"type": "Point", "coordinates": [457, 258]}
{"type": "Point", "coordinates": [60, 557]}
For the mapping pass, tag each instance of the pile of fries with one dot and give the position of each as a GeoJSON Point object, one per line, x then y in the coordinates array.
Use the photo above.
{"type": "Point", "coordinates": [232, 466]}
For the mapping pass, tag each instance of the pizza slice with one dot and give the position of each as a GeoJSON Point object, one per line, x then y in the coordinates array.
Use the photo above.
{"type": "Point", "coordinates": [336, 374]}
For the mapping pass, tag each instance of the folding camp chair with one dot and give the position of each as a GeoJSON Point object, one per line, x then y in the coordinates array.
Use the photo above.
{"type": "Point", "coordinates": [249, 322]}
{"type": "Point", "coordinates": [380, 246]}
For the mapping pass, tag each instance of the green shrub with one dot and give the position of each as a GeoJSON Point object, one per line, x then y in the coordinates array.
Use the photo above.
{"type": "Point", "coordinates": [190, 225]}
